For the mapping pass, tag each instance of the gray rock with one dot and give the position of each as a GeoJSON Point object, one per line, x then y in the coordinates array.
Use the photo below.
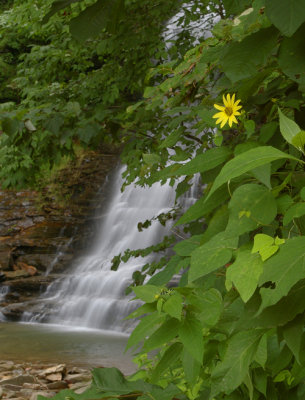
{"type": "Point", "coordinates": [18, 380]}
{"type": "Point", "coordinates": [57, 385]}
{"type": "Point", "coordinates": [78, 377]}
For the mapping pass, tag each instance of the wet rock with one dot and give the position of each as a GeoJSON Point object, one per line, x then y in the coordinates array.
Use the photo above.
{"type": "Point", "coordinates": [78, 377]}
{"type": "Point", "coordinates": [6, 366]}
{"type": "Point", "coordinates": [14, 388]}
{"type": "Point", "coordinates": [18, 380]}
{"type": "Point", "coordinates": [57, 385]}
{"type": "Point", "coordinates": [32, 284]}
{"type": "Point", "coordinates": [16, 274]}
{"type": "Point", "coordinates": [54, 377]}
{"type": "Point", "coordinates": [25, 267]}
{"type": "Point", "coordinates": [55, 369]}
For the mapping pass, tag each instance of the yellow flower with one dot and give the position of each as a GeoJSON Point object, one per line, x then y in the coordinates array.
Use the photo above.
{"type": "Point", "coordinates": [228, 111]}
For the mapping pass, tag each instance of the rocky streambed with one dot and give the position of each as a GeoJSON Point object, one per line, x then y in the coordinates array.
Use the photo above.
{"type": "Point", "coordinates": [42, 231]}
{"type": "Point", "coordinates": [25, 381]}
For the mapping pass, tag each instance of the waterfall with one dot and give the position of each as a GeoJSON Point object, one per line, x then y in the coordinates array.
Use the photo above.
{"type": "Point", "coordinates": [93, 295]}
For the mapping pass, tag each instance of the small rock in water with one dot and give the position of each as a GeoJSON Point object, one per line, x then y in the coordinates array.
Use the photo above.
{"type": "Point", "coordinates": [54, 377]}
{"type": "Point", "coordinates": [57, 385]}
{"type": "Point", "coordinates": [18, 380]}
{"type": "Point", "coordinates": [55, 369]}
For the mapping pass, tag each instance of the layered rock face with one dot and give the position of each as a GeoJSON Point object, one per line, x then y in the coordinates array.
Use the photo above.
{"type": "Point", "coordinates": [42, 231]}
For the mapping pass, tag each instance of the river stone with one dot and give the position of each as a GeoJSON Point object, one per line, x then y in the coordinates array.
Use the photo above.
{"type": "Point", "coordinates": [55, 369]}
{"type": "Point", "coordinates": [57, 385]}
{"type": "Point", "coordinates": [32, 386]}
{"type": "Point", "coordinates": [78, 377]}
{"type": "Point", "coordinates": [6, 366]}
{"type": "Point", "coordinates": [18, 380]}
{"type": "Point", "coordinates": [54, 377]}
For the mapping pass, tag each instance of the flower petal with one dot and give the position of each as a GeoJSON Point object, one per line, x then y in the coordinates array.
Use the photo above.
{"type": "Point", "coordinates": [233, 99]}
{"type": "Point", "coordinates": [237, 107]}
{"type": "Point", "coordinates": [218, 115]}
{"type": "Point", "coordinates": [224, 121]}
{"type": "Point", "coordinates": [219, 120]}
{"type": "Point", "coordinates": [220, 108]}
{"type": "Point", "coordinates": [236, 113]}
{"type": "Point", "coordinates": [224, 101]}
{"type": "Point", "coordinates": [228, 99]}
{"type": "Point", "coordinates": [234, 119]}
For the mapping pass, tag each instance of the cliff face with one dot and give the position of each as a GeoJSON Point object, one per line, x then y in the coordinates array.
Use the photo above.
{"type": "Point", "coordinates": [42, 231]}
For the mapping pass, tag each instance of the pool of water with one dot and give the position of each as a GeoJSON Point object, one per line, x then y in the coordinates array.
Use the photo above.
{"type": "Point", "coordinates": [57, 344]}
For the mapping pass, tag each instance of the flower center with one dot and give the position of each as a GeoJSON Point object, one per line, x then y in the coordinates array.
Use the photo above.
{"type": "Point", "coordinates": [229, 111]}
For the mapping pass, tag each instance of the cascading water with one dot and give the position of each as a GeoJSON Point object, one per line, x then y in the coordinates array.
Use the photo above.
{"type": "Point", "coordinates": [93, 295]}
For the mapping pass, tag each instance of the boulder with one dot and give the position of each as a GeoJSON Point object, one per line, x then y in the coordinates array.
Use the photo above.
{"type": "Point", "coordinates": [59, 385]}
{"type": "Point", "coordinates": [18, 380]}
{"type": "Point", "coordinates": [56, 368]}
{"type": "Point", "coordinates": [78, 377]}
{"type": "Point", "coordinates": [54, 377]}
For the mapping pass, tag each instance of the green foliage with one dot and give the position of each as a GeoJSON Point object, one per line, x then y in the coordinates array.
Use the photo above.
{"type": "Point", "coordinates": [233, 328]}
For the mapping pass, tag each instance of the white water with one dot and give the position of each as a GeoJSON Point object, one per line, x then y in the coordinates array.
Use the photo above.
{"type": "Point", "coordinates": [93, 295]}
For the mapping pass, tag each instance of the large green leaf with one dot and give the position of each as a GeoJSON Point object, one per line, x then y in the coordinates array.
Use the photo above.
{"type": "Point", "coordinates": [293, 333]}
{"type": "Point", "coordinates": [208, 305]}
{"type": "Point", "coordinates": [191, 367]}
{"type": "Point", "coordinates": [144, 328]}
{"type": "Point", "coordinates": [211, 255]}
{"type": "Point", "coordinates": [171, 354]}
{"type": "Point", "coordinates": [56, 6]}
{"type": "Point", "coordinates": [251, 205]}
{"type": "Point", "coordinates": [289, 128]}
{"type": "Point", "coordinates": [284, 270]}
{"type": "Point", "coordinates": [295, 211]}
{"type": "Point", "coordinates": [10, 126]}
{"type": "Point", "coordinates": [235, 6]}
{"type": "Point", "coordinates": [244, 273]}
{"type": "Point", "coordinates": [104, 14]}
{"type": "Point", "coordinates": [164, 276]}
{"type": "Point", "coordinates": [231, 371]}
{"type": "Point", "coordinates": [205, 161]}
{"type": "Point", "coordinates": [204, 206]}
{"type": "Point", "coordinates": [190, 334]}
{"type": "Point", "coordinates": [292, 56]}
{"type": "Point", "coordinates": [240, 59]}
{"type": "Point", "coordinates": [146, 293]}
{"type": "Point", "coordinates": [286, 15]}
{"type": "Point", "coordinates": [167, 331]}
{"type": "Point", "coordinates": [185, 247]}
{"type": "Point", "coordinates": [111, 380]}
{"type": "Point", "coordinates": [276, 315]}
{"type": "Point", "coordinates": [246, 162]}
{"type": "Point", "coordinates": [173, 306]}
